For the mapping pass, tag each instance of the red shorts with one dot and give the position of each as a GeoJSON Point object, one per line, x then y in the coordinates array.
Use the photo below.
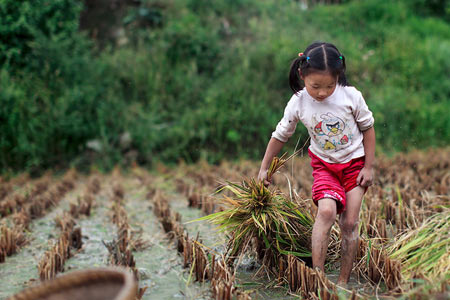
{"type": "Point", "coordinates": [334, 180]}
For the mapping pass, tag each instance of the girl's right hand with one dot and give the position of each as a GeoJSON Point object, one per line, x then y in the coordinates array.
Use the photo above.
{"type": "Point", "coordinates": [262, 176]}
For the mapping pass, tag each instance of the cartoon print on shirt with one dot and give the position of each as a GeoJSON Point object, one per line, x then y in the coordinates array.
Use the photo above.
{"type": "Point", "coordinates": [329, 145]}
{"type": "Point", "coordinates": [344, 140]}
{"type": "Point", "coordinates": [332, 125]}
{"type": "Point", "coordinates": [331, 132]}
{"type": "Point", "coordinates": [318, 129]}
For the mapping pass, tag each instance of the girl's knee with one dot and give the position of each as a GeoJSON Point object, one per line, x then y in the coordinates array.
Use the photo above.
{"type": "Point", "coordinates": [348, 226]}
{"type": "Point", "coordinates": [327, 209]}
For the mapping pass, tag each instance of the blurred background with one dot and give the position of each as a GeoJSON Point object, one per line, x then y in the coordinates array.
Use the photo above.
{"type": "Point", "coordinates": [106, 82]}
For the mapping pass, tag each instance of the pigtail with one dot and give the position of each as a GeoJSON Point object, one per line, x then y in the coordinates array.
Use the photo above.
{"type": "Point", "coordinates": [342, 79]}
{"type": "Point", "coordinates": [294, 74]}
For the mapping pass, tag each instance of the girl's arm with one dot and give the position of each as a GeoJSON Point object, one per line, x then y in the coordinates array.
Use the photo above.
{"type": "Point", "coordinates": [273, 147]}
{"type": "Point", "coordinates": [365, 177]}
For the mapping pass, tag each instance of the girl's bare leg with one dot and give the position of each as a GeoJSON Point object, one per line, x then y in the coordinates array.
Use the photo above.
{"type": "Point", "coordinates": [326, 215]}
{"type": "Point", "coordinates": [348, 222]}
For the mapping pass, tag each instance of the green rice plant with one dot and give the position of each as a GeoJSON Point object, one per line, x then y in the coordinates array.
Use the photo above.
{"type": "Point", "coordinates": [425, 251]}
{"type": "Point", "coordinates": [254, 212]}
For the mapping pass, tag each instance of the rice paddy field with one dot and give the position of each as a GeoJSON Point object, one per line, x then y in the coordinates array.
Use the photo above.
{"type": "Point", "coordinates": [209, 232]}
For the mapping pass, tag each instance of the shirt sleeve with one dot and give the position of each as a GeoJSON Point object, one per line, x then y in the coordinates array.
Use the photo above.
{"type": "Point", "coordinates": [363, 116]}
{"type": "Point", "coordinates": [286, 127]}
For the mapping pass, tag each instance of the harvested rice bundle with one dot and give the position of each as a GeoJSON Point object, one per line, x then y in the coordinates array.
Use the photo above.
{"type": "Point", "coordinates": [425, 251]}
{"type": "Point", "coordinates": [255, 212]}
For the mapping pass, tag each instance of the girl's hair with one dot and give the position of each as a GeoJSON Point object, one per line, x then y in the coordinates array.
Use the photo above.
{"type": "Point", "coordinates": [317, 57]}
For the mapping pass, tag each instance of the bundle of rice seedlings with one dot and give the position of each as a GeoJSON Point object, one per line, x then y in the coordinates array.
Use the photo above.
{"type": "Point", "coordinates": [425, 251]}
{"type": "Point", "coordinates": [255, 212]}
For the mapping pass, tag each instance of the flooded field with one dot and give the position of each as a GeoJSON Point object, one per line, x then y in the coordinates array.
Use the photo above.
{"type": "Point", "coordinates": [143, 220]}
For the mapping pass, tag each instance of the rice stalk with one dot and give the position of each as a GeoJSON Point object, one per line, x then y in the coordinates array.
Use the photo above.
{"type": "Point", "coordinates": [425, 250]}
{"type": "Point", "coordinates": [278, 162]}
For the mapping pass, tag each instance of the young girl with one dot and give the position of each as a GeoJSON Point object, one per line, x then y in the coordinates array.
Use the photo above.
{"type": "Point", "coordinates": [342, 146]}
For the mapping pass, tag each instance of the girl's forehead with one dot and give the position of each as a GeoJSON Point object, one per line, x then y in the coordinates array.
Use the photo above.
{"type": "Point", "coordinates": [321, 78]}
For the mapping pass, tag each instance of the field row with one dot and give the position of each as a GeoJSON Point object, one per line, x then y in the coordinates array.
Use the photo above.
{"type": "Point", "coordinates": [141, 220]}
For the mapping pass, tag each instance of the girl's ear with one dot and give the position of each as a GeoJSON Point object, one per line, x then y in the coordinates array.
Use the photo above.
{"type": "Point", "coordinates": [301, 75]}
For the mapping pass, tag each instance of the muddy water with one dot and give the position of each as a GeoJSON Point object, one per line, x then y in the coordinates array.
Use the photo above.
{"type": "Point", "coordinates": [160, 266]}
{"type": "Point", "coordinates": [95, 229]}
{"type": "Point", "coordinates": [20, 270]}
{"type": "Point", "coordinates": [353, 284]}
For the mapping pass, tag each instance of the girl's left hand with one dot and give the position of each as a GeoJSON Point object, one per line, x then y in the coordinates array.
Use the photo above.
{"type": "Point", "coordinates": [365, 177]}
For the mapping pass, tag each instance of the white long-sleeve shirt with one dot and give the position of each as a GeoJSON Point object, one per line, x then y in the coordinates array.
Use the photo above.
{"type": "Point", "coordinates": [334, 124]}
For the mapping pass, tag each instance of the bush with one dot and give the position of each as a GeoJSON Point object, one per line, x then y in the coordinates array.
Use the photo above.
{"type": "Point", "coordinates": [205, 79]}
{"type": "Point", "coordinates": [54, 95]}
{"type": "Point", "coordinates": [23, 24]}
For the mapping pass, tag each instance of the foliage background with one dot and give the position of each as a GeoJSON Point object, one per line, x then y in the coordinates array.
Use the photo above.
{"type": "Point", "coordinates": [191, 79]}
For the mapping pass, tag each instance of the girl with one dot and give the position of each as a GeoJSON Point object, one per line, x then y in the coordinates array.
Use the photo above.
{"type": "Point", "coordinates": [342, 146]}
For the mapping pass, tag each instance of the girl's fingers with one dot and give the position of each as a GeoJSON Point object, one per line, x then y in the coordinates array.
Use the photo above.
{"type": "Point", "coordinates": [358, 179]}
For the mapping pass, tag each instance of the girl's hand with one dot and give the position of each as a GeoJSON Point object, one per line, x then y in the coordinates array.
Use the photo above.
{"type": "Point", "coordinates": [365, 177]}
{"type": "Point", "coordinates": [262, 176]}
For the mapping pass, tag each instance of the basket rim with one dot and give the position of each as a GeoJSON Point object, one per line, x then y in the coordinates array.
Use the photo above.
{"type": "Point", "coordinates": [82, 277]}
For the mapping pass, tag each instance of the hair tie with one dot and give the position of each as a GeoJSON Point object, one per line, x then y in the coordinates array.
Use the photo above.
{"type": "Point", "coordinates": [300, 54]}
{"type": "Point", "coordinates": [307, 58]}
{"type": "Point", "coordinates": [340, 57]}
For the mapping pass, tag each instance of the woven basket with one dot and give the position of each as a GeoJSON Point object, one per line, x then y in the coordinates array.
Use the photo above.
{"type": "Point", "coordinates": [98, 284]}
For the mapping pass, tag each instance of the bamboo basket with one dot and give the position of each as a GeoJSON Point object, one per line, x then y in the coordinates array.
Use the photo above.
{"type": "Point", "coordinates": [98, 284]}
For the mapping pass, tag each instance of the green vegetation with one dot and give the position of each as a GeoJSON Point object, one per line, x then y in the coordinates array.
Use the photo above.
{"type": "Point", "coordinates": [424, 249]}
{"type": "Point", "coordinates": [197, 79]}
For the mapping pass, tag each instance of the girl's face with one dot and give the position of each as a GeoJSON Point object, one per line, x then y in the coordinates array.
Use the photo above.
{"type": "Point", "coordinates": [320, 85]}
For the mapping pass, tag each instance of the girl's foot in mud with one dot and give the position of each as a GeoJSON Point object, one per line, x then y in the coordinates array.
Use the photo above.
{"type": "Point", "coordinates": [342, 284]}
